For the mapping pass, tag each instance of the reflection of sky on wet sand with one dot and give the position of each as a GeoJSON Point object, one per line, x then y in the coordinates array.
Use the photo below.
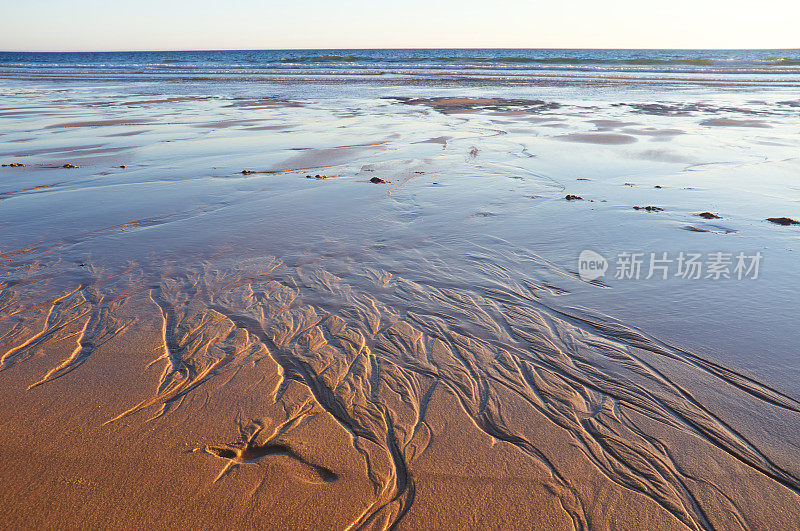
{"type": "Point", "coordinates": [243, 239]}
{"type": "Point", "coordinates": [183, 159]}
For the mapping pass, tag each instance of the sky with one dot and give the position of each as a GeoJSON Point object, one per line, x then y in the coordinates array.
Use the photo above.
{"type": "Point", "coordinates": [98, 25]}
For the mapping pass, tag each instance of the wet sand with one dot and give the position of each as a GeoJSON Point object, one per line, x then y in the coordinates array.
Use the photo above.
{"type": "Point", "coordinates": [183, 343]}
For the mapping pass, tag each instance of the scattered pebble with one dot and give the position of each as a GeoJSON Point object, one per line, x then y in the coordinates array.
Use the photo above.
{"type": "Point", "coordinates": [658, 186]}
{"type": "Point", "coordinates": [692, 228]}
{"type": "Point", "coordinates": [318, 176]}
{"type": "Point", "coordinates": [70, 166]}
{"type": "Point", "coordinates": [583, 179]}
{"type": "Point", "coordinates": [629, 184]}
{"type": "Point", "coordinates": [784, 221]}
{"type": "Point", "coordinates": [571, 197]}
{"type": "Point", "coordinates": [247, 172]}
{"type": "Point", "coordinates": [378, 180]}
{"type": "Point", "coordinates": [709, 215]}
{"type": "Point", "coordinates": [649, 208]}
{"type": "Point", "coordinates": [15, 165]}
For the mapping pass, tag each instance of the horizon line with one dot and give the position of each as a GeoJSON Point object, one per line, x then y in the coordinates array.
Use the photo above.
{"type": "Point", "coordinates": [388, 48]}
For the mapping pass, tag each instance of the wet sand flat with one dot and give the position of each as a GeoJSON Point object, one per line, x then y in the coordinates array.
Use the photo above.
{"type": "Point", "coordinates": [366, 313]}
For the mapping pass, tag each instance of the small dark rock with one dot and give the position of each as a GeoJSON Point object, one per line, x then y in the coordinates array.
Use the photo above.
{"type": "Point", "coordinates": [123, 166]}
{"type": "Point", "coordinates": [692, 228]}
{"type": "Point", "coordinates": [70, 166]}
{"type": "Point", "coordinates": [709, 215]}
{"type": "Point", "coordinates": [378, 180]}
{"type": "Point", "coordinates": [247, 172]}
{"type": "Point", "coordinates": [571, 197]}
{"type": "Point", "coordinates": [658, 186]}
{"type": "Point", "coordinates": [648, 208]}
{"type": "Point", "coordinates": [784, 221]}
{"type": "Point", "coordinates": [15, 165]}
{"type": "Point", "coordinates": [629, 184]}
{"type": "Point", "coordinates": [583, 179]}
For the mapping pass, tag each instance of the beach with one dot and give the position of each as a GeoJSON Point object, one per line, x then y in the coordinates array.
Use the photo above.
{"type": "Point", "coordinates": [317, 297]}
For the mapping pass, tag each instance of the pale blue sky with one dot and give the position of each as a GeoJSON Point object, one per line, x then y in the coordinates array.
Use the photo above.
{"type": "Point", "coordinates": [74, 25]}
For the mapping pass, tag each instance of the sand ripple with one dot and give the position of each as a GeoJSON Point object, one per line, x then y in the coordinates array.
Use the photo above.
{"type": "Point", "coordinates": [582, 397]}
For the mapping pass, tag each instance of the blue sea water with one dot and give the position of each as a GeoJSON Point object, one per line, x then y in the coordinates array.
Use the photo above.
{"type": "Point", "coordinates": [491, 65]}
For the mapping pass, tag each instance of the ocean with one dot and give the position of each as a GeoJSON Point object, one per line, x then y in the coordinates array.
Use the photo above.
{"type": "Point", "coordinates": [421, 66]}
